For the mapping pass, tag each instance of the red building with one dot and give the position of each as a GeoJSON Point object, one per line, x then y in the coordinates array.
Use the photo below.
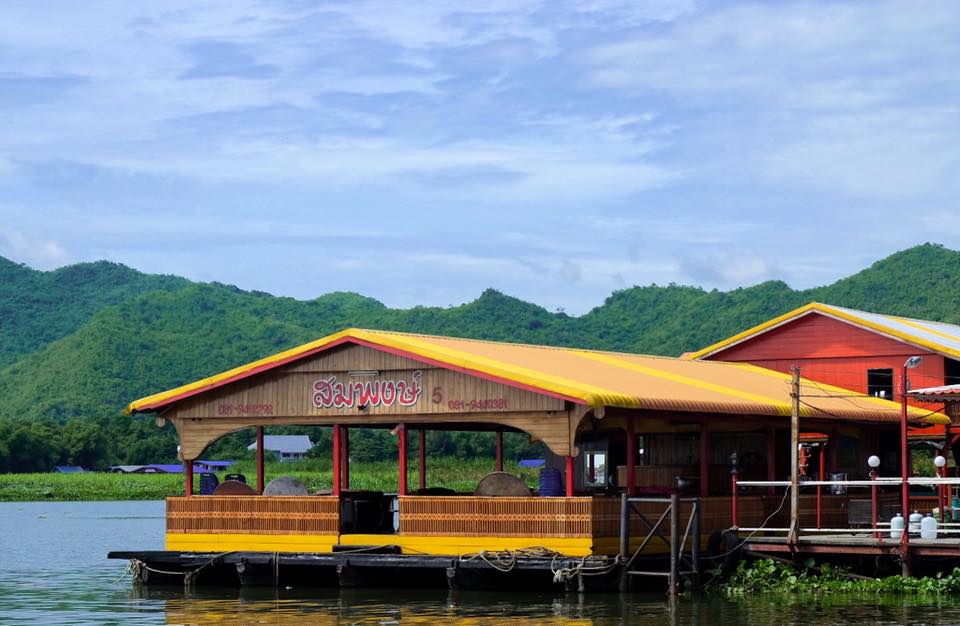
{"type": "Point", "coordinates": [852, 349]}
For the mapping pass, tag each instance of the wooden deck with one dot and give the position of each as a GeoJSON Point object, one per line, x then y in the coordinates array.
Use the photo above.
{"type": "Point", "coordinates": [860, 543]}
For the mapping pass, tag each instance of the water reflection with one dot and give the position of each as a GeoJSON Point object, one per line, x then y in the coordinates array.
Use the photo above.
{"type": "Point", "coordinates": [53, 570]}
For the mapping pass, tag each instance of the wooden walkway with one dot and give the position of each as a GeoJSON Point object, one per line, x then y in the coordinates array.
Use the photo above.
{"type": "Point", "coordinates": [860, 543]}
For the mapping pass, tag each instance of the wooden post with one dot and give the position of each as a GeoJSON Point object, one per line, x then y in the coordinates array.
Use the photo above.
{"type": "Point", "coordinates": [499, 450]}
{"type": "Point", "coordinates": [337, 466]}
{"type": "Point", "coordinates": [345, 458]}
{"type": "Point", "coordinates": [422, 468]}
{"type": "Point", "coordinates": [188, 472]}
{"type": "Point", "coordinates": [771, 458]}
{"type": "Point", "coordinates": [733, 498]}
{"type": "Point", "coordinates": [795, 456]}
{"type": "Point", "coordinates": [704, 460]}
{"type": "Point", "coordinates": [674, 543]}
{"type": "Point", "coordinates": [624, 541]}
{"type": "Point", "coordinates": [403, 460]}
{"type": "Point", "coordinates": [570, 490]}
{"type": "Point", "coordinates": [695, 546]}
{"type": "Point", "coordinates": [631, 457]}
{"type": "Point", "coordinates": [260, 476]}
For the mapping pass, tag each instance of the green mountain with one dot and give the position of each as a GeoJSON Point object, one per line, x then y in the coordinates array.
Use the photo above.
{"type": "Point", "coordinates": [39, 307]}
{"type": "Point", "coordinates": [85, 340]}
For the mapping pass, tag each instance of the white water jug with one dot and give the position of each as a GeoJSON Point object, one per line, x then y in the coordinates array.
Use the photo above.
{"type": "Point", "coordinates": [915, 519]}
{"type": "Point", "coordinates": [896, 526]}
{"type": "Point", "coordinates": [928, 527]}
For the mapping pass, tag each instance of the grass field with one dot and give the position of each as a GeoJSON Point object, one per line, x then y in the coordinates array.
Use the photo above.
{"type": "Point", "coordinates": [457, 474]}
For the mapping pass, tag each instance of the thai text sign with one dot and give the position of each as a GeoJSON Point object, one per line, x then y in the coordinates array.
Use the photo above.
{"type": "Point", "coordinates": [331, 393]}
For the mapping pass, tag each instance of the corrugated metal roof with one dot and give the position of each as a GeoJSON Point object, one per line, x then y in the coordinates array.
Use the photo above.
{"type": "Point", "coordinates": [284, 443]}
{"type": "Point", "coordinates": [936, 394]}
{"type": "Point", "coordinates": [588, 377]}
{"type": "Point", "coordinates": [934, 336]}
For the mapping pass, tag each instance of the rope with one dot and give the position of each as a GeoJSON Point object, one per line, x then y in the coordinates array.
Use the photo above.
{"type": "Point", "coordinates": [506, 561]}
{"type": "Point", "coordinates": [786, 492]}
{"type": "Point", "coordinates": [135, 566]}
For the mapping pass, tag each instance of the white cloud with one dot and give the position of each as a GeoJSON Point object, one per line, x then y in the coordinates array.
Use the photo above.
{"type": "Point", "coordinates": [35, 250]}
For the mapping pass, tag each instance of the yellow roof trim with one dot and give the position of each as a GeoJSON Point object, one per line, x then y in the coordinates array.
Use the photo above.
{"type": "Point", "coordinates": [935, 418]}
{"type": "Point", "coordinates": [830, 311]}
{"type": "Point", "coordinates": [590, 395]}
{"type": "Point", "coordinates": [781, 407]}
{"type": "Point", "coordinates": [750, 332]}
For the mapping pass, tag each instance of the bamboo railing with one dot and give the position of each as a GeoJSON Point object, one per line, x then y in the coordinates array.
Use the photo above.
{"type": "Point", "coordinates": [278, 515]}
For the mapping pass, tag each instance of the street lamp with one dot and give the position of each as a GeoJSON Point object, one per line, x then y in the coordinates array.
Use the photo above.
{"type": "Point", "coordinates": [910, 363]}
{"type": "Point", "coordinates": [874, 463]}
{"type": "Point", "coordinates": [941, 462]}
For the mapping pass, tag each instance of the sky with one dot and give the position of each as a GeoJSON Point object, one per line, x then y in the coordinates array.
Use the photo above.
{"type": "Point", "coordinates": [420, 152]}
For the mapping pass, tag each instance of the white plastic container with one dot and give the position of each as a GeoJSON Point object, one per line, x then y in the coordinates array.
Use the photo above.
{"type": "Point", "coordinates": [915, 519]}
{"type": "Point", "coordinates": [928, 527]}
{"type": "Point", "coordinates": [896, 526]}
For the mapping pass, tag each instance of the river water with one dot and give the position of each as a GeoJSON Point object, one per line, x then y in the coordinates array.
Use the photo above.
{"type": "Point", "coordinates": [53, 570]}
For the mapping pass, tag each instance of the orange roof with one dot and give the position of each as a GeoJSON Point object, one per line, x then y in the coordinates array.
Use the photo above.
{"type": "Point", "coordinates": [592, 378]}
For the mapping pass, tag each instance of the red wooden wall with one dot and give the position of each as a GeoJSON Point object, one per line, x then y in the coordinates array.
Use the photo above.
{"type": "Point", "coordinates": [834, 352]}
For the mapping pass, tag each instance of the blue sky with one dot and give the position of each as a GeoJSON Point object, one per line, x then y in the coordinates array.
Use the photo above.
{"type": "Point", "coordinates": [421, 152]}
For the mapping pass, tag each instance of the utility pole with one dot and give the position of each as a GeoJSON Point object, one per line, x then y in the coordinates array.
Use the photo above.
{"type": "Point", "coordinates": [794, 456]}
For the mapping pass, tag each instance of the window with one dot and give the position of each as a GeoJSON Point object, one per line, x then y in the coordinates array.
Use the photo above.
{"type": "Point", "coordinates": [880, 383]}
{"type": "Point", "coordinates": [951, 372]}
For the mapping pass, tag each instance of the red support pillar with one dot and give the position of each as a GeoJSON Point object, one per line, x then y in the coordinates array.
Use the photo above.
{"type": "Point", "coordinates": [345, 458]}
{"type": "Point", "coordinates": [402, 432]}
{"type": "Point", "coordinates": [631, 458]}
{"type": "Point", "coordinates": [499, 451]}
{"type": "Point", "coordinates": [260, 478]}
{"type": "Point", "coordinates": [570, 490]}
{"type": "Point", "coordinates": [337, 449]}
{"type": "Point", "coordinates": [823, 470]}
{"type": "Point", "coordinates": [704, 460]}
{"type": "Point", "coordinates": [771, 457]}
{"type": "Point", "coordinates": [422, 466]}
{"type": "Point", "coordinates": [188, 471]}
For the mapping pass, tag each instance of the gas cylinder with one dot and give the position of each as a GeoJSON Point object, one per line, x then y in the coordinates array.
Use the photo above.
{"type": "Point", "coordinates": [915, 519]}
{"type": "Point", "coordinates": [928, 527]}
{"type": "Point", "coordinates": [896, 526]}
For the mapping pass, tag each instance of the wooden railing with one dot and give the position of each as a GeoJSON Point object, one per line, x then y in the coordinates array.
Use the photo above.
{"type": "Point", "coordinates": [499, 517]}
{"type": "Point", "coordinates": [278, 515]}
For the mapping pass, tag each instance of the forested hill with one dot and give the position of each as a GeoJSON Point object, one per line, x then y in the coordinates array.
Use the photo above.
{"type": "Point", "coordinates": [83, 341]}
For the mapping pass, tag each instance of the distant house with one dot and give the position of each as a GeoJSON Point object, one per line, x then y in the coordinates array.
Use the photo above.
{"type": "Point", "coordinates": [211, 466]}
{"type": "Point", "coordinates": [69, 469]}
{"type": "Point", "coordinates": [171, 468]}
{"type": "Point", "coordinates": [285, 447]}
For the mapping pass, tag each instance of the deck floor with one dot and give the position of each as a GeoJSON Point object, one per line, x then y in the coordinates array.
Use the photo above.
{"type": "Point", "coordinates": [860, 543]}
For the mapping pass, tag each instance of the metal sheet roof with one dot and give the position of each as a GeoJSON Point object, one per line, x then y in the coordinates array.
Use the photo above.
{"type": "Point", "coordinates": [934, 336]}
{"type": "Point", "coordinates": [592, 378]}
{"type": "Point", "coordinates": [291, 444]}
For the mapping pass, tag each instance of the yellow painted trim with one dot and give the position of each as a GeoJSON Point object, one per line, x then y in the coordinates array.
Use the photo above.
{"type": "Point", "coordinates": [409, 544]}
{"type": "Point", "coordinates": [591, 395]}
{"type": "Point", "coordinates": [750, 332]}
{"type": "Point", "coordinates": [833, 312]}
{"type": "Point", "coordinates": [455, 545]}
{"type": "Point", "coordinates": [232, 542]}
{"type": "Point", "coordinates": [886, 405]}
{"type": "Point", "coordinates": [782, 407]}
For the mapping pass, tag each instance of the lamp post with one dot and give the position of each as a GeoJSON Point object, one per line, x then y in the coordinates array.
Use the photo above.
{"type": "Point", "coordinates": [874, 463]}
{"type": "Point", "coordinates": [910, 363]}
{"type": "Point", "coordinates": [941, 462]}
